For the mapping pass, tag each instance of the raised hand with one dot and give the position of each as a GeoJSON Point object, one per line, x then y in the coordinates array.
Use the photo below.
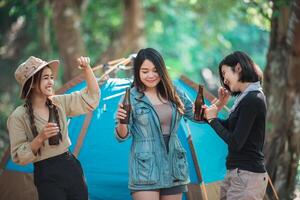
{"type": "Point", "coordinates": [223, 97]}
{"type": "Point", "coordinates": [83, 62]}
{"type": "Point", "coordinates": [223, 94]}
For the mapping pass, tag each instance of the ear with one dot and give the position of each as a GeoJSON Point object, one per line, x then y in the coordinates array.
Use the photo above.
{"type": "Point", "coordinates": [238, 68]}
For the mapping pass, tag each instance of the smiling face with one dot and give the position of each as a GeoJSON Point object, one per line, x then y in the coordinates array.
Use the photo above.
{"type": "Point", "coordinates": [231, 78]}
{"type": "Point", "coordinates": [45, 87]}
{"type": "Point", "coordinates": [149, 75]}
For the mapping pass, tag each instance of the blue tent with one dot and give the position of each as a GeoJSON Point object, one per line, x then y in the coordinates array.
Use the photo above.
{"type": "Point", "coordinates": [105, 161]}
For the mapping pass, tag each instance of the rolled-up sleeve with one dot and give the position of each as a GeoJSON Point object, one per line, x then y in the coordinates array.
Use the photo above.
{"type": "Point", "coordinates": [120, 139]}
{"type": "Point", "coordinates": [78, 103]}
{"type": "Point", "coordinates": [21, 152]}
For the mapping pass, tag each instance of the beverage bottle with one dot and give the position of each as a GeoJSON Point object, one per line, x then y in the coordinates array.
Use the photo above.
{"type": "Point", "coordinates": [54, 140]}
{"type": "Point", "coordinates": [126, 106]}
{"type": "Point", "coordinates": [199, 102]}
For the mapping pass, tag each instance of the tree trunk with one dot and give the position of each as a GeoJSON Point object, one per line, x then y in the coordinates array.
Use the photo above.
{"type": "Point", "coordinates": [67, 22]}
{"type": "Point", "coordinates": [130, 39]}
{"type": "Point", "coordinates": [43, 24]}
{"type": "Point", "coordinates": [282, 86]}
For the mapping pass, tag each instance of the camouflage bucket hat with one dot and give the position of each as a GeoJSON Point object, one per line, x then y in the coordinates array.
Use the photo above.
{"type": "Point", "coordinates": [30, 67]}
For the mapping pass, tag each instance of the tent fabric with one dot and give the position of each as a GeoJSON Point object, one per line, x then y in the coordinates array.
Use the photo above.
{"type": "Point", "coordinates": [105, 161]}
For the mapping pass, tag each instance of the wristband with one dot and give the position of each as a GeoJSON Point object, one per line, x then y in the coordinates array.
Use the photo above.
{"type": "Point", "coordinates": [209, 120]}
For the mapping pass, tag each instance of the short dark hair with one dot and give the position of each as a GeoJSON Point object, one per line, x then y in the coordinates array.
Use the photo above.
{"type": "Point", "coordinates": [250, 72]}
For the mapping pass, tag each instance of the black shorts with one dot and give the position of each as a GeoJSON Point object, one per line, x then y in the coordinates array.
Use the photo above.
{"type": "Point", "coordinates": [167, 191]}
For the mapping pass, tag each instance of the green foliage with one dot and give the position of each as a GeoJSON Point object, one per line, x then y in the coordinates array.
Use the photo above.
{"type": "Point", "coordinates": [101, 22]}
{"type": "Point", "coordinates": [200, 33]}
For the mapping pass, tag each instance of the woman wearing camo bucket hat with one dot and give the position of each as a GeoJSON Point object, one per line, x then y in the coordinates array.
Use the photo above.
{"type": "Point", "coordinates": [57, 173]}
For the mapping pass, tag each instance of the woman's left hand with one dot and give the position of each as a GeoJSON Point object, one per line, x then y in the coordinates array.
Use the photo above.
{"type": "Point", "coordinates": [211, 112]}
{"type": "Point", "coordinates": [83, 62]}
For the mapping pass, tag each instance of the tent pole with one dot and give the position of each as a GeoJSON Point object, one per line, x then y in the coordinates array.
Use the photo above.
{"type": "Point", "coordinates": [196, 163]}
{"type": "Point", "coordinates": [116, 66]}
{"type": "Point", "coordinates": [273, 188]}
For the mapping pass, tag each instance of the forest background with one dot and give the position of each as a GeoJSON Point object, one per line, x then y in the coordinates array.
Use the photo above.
{"type": "Point", "coordinates": [192, 35]}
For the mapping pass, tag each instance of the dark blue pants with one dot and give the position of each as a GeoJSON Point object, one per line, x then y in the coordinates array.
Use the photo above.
{"type": "Point", "coordinates": [60, 178]}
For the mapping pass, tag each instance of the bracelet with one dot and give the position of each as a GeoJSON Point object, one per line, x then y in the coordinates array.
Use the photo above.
{"type": "Point", "coordinates": [209, 120]}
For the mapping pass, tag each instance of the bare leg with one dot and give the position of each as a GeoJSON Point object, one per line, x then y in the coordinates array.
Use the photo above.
{"type": "Point", "coordinates": [171, 197]}
{"type": "Point", "coordinates": [146, 195]}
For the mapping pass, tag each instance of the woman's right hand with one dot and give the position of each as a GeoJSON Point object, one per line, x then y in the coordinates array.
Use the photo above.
{"type": "Point", "coordinates": [51, 129]}
{"type": "Point", "coordinates": [83, 62]}
{"type": "Point", "coordinates": [121, 113]}
{"type": "Point", "coordinates": [48, 131]}
{"type": "Point", "coordinates": [121, 128]}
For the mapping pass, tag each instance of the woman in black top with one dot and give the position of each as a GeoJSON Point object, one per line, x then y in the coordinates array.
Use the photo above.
{"type": "Point", "coordinates": [244, 130]}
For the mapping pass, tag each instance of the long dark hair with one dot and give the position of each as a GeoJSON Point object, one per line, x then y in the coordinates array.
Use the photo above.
{"type": "Point", "coordinates": [165, 87]}
{"type": "Point", "coordinates": [27, 90]}
{"type": "Point", "coordinates": [250, 72]}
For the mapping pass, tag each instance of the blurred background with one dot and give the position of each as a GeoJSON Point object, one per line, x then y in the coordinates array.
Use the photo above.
{"type": "Point", "coordinates": [192, 35]}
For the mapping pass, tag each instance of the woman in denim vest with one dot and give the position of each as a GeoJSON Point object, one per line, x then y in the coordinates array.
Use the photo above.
{"type": "Point", "coordinates": [158, 164]}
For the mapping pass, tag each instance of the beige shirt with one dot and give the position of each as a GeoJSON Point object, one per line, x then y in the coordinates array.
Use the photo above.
{"type": "Point", "coordinates": [20, 133]}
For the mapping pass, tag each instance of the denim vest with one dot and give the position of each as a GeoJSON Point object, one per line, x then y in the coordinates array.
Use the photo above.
{"type": "Point", "coordinates": [150, 165]}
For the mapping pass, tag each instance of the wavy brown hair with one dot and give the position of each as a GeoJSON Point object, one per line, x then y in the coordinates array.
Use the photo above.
{"type": "Point", "coordinates": [165, 87]}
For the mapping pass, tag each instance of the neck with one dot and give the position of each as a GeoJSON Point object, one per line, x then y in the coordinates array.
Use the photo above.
{"type": "Point", "coordinates": [39, 101]}
{"type": "Point", "coordinates": [244, 86]}
{"type": "Point", "coordinates": [152, 90]}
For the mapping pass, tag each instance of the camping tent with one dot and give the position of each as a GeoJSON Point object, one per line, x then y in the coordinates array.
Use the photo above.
{"type": "Point", "coordinates": [105, 161]}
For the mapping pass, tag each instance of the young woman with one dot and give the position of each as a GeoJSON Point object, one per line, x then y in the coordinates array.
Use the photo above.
{"type": "Point", "coordinates": [57, 173]}
{"type": "Point", "coordinates": [158, 164]}
{"type": "Point", "coordinates": [244, 130]}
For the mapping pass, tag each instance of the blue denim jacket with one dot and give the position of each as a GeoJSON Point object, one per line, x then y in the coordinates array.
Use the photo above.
{"type": "Point", "coordinates": [150, 165]}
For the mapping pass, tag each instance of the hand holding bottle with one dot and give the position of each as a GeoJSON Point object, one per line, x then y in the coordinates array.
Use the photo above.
{"type": "Point", "coordinates": [126, 105]}
{"type": "Point", "coordinates": [121, 113]}
{"type": "Point", "coordinates": [211, 112]}
{"type": "Point", "coordinates": [50, 130]}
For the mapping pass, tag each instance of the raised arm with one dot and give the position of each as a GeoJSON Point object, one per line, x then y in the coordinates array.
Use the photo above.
{"type": "Point", "coordinates": [86, 100]}
{"type": "Point", "coordinates": [92, 84]}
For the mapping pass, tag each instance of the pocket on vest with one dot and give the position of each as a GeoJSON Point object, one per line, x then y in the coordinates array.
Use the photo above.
{"type": "Point", "coordinates": [179, 165]}
{"type": "Point", "coordinates": [145, 168]}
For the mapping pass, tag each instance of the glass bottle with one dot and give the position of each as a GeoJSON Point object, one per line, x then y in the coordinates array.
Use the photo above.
{"type": "Point", "coordinates": [199, 102]}
{"type": "Point", "coordinates": [126, 106]}
{"type": "Point", "coordinates": [54, 140]}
